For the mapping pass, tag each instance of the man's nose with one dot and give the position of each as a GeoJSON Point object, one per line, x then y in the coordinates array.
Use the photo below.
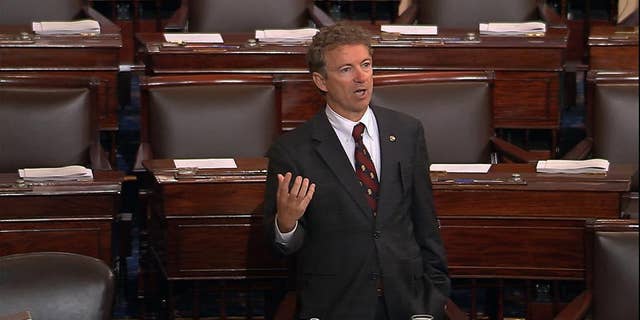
{"type": "Point", "coordinates": [360, 75]}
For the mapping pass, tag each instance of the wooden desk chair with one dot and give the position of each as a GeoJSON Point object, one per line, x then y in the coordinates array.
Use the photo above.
{"type": "Point", "coordinates": [245, 15]}
{"type": "Point", "coordinates": [467, 14]}
{"type": "Point", "coordinates": [455, 110]}
{"type": "Point", "coordinates": [612, 126]}
{"type": "Point", "coordinates": [611, 272]}
{"type": "Point", "coordinates": [50, 122]}
{"type": "Point", "coordinates": [56, 285]}
{"type": "Point", "coordinates": [23, 12]}
{"type": "Point", "coordinates": [205, 116]}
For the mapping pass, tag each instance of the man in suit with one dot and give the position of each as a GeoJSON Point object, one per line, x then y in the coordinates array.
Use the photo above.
{"type": "Point", "coordinates": [367, 247]}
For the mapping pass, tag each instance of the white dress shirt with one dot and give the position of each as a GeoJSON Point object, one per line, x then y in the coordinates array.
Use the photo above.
{"type": "Point", "coordinates": [343, 128]}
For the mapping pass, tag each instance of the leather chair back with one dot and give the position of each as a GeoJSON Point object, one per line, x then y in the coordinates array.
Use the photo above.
{"type": "Point", "coordinates": [614, 268]}
{"type": "Point", "coordinates": [467, 14]}
{"type": "Point", "coordinates": [246, 15]}
{"type": "Point", "coordinates": [20, 12]}
{"type": "Point", "coordinates": [211, 116]}
{"type": "Point", "coordinates": [46, 122]}
{"type": "Point", "coordinates": [615, 123]}
{"type": "Point", "coordinates": [56, 285]}
{"type": "Point", "coordinates": [454, 107]}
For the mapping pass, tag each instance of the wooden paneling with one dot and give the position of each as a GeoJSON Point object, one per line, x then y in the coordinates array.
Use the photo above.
{"type": "Point", "coordinates": [211, 227]}
{"type": "Point", "coordinates": [62, 216]}
{"type": "Point", "coordinates": [613, 48]}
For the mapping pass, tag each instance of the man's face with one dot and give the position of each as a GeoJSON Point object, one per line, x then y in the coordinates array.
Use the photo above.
{"type": "Point", "coordinates": [349, 80]}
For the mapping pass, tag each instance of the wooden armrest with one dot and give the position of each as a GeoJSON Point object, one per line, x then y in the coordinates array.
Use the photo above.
{"type": "Point", "coordinates": [98, 157]}
{"type": "Point", "coordinates": [513, 152]}
{"type": "Point", "coordinates": [549, 14]}
{"type": "Point", "coordinates": [453, 312]}
{"type": "Point", "coordinates": [178, 21]}
{"type": "Point", "coordinates": [409, 15]}
{"type": "Point", "coordinates": [577, 308]}
{"type": "Point", "coordinates": [580, 151]}
{"type": "Point", "coordinates": [318, 16]}
{"type": "Point", "coordinates": [106, 26]}
{"type": "Point", "coordinates": [144, 153]}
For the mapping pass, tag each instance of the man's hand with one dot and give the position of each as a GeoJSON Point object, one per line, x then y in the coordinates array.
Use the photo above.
{"type": "Point", "coordinates": [292, 202]}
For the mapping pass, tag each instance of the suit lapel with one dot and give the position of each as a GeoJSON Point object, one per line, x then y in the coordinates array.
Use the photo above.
{"type": "Point", "coordinates": [390, 158]}
{"type": "Point", "coordinates": [330, 150]}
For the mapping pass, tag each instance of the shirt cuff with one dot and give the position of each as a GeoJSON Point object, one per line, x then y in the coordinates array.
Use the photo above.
{"type": "Point", "coordinates": [283, 238]}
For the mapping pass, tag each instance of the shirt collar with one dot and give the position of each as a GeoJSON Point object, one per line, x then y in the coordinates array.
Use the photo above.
{"type": "Point", "coordinates": [345, 126]}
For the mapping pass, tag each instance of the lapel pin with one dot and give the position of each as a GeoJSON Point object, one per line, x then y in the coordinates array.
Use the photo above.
{"type": "Point", "coordinates": [392, 138]}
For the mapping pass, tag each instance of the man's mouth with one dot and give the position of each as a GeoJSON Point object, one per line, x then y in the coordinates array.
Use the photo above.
{"type": "Point", "coordinates": [360, 92]}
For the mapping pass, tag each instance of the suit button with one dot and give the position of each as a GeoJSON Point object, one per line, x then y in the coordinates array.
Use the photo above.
{"type": "Point", "coordinates": [376, 235]}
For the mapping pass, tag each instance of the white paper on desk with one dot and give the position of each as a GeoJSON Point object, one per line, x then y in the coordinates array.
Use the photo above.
{"type": "Point", "coordinates": [573, 166]}
{"type": "Point", "coordinates": [68, 173]}
{"type": "Point", "coordinates": [66, 27]}
{"type": "Point", "coordinates": [461, 167]}
{"type": "Point", "coordinates": [284, 35]}
{"type": "Point", "coordinates": [193, 37]}
{"type": "Point", "coordinates": [410, 29]}
{"type": "Point", "coordinates": [512, 28]}
{"type": "Point", "coordinates": [221, 163]}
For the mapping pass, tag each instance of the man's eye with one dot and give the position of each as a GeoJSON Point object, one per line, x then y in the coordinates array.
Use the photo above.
{"type": "Point", "coordinates": [346, 69]}
{"type": "Point", "coordinates": [366, 65]}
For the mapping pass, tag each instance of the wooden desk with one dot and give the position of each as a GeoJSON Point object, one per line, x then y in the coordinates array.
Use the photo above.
{"type": "Point", "coordinates": [528, 69]}
{"type": "Point", "coordinates": [73, 55]}
{"type": "Point", "coordinates": [613, 48]}
{"type": "Point", "coordinates": [527, 231]}
{"type": "Point", "coordinates": [211, 227]}
{"type": "Point", "coordinates": [72, 217]}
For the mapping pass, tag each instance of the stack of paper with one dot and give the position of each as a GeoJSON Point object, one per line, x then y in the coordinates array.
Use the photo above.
{"type": "Point", "coordinates": [286, 35]}
{"type": "Point", "coordinates": [410, 29]}
{"type": "Point", "coordinates": [66, 27]}
{"type": "Point", "coordinates": [460, 167]}
{"type": "Point", "coordinates": [221, 163]}
{"type": "Point", "coordinates": [573, 166]}
{"type": "Point", "coordinates": [496, 28]}
{"type": "Point", "coordinates": [193, 37]}
{"type": "Point", "coordinates": [69, 173]}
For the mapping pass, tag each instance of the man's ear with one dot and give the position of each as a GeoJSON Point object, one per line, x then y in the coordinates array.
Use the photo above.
{"type": "Point", "coordinates": [320, 82]}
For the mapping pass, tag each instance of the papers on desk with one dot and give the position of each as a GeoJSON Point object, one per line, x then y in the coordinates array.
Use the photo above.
{"type": "Point", "coordinates": [286, 35]}
{"type": "Point", "coordinates": [460, 168]}
{"type": "Point", "coordinates": [66, 27]}
{"type": "Point", "coordinates": [521, 28]}
{"type": "Point", "coordinates": [205, 163]}
{"type": "Point", "coordinates": [193, 37]}
{"type": "Point", "coordinates": [410, 29]}
{"type": "Point", "coordinates": [573, 166]}
{"type": "Point", "coordinates": [68, 173]}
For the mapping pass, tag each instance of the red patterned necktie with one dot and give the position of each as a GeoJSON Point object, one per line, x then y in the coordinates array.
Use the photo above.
{"type": "Point", "coordinates": [365, 170]}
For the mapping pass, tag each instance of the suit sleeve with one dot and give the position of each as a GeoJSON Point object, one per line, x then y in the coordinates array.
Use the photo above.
{"type": "Point", "coordinates": [279, 162]}
{"type": "Point", "coordinates": [426, 225]}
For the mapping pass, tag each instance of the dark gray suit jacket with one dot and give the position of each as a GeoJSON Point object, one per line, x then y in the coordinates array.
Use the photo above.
{"type": "Point", "coordinates": [341, 248]}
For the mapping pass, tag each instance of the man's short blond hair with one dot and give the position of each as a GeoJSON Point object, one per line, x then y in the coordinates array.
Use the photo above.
{"type": "Point", "coordinates": [341, 33]}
